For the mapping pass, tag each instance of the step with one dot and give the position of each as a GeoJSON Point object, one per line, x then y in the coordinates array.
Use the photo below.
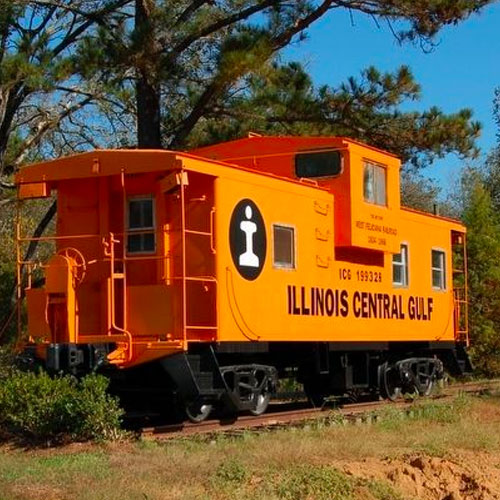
{"type": "Point", "coordinates": [194, 361]}
{"type": "Point", "coordinates": [205, 380]}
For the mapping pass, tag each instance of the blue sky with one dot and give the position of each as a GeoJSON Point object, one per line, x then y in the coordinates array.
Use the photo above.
{"type": "Point", "coordinates": [461, 71]}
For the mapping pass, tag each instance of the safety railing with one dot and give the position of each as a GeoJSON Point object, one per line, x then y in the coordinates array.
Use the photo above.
{"type": "Point", "coordinates": [114, 255]}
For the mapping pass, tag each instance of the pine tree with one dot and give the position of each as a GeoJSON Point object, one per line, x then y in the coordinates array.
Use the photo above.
{"type": "Point", "coordinates": [185, 63]}
{"type": "Point", "coordinates": [283, 100]}
{"type": "Point", "coordinates": [159, 73]}
{"type": "Point", "coordinates": [40, 98]}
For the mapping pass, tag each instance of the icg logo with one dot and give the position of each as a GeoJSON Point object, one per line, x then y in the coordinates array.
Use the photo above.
{"type": "Point", "coordinates": [247, 239]}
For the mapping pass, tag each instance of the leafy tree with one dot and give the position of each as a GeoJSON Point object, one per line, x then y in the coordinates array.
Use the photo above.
{"type": "Point", "coordinates": [419, 192]}
{"type": "Point", "coordinates": [186, 63]}
{"type": "Point", "coordinates": [283, 100]}
{"type": "Point", "coordinates": [483, 247]}
{"type": "Point", "coordinates": [82, 74]}
{"type": "Point", "coordinates": [41, 101]}
{"type": "Point", "coordinates": [492, 164]}
{"type": "Point", "coordinates": [478, 199]}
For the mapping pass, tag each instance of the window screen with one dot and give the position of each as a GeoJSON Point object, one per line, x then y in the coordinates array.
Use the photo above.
{"type": "Point", "coordinates": [400, 267]}
{"type": "Point", "coordinates": [141, 222]}
{"type": "Point", "coordinates": [324, 164]}
{"type": "Point", "coordinates": [284, 246]}
{"type": "Point", "coordinates": [374, 183]}
{"type": "Point", "coordinates": [438, 270]}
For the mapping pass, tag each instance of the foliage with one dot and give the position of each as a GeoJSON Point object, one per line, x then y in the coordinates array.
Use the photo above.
{"type": "Point", "coordinates": [37, 407]}
{"type": "Point", "coordinates": [478, 201]}
{"type": "Point", "coordinates": [32, 212]}
{"type": "Point", "coordinates": [483, 247]}
{"type": "Point", "coordinates": [419, 192]}
{"type": "Point", "coordinates": [7, 363]}
{"type": "Point", "coordinates": [80, 74]}
{"type": "Point", "coordinates": [41, 103]}
{"type": "Point", "coordinates": [283, 100]}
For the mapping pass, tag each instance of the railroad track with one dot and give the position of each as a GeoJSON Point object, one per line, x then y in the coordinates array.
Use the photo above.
{"type": "Point", "coordinates": [285, 417]}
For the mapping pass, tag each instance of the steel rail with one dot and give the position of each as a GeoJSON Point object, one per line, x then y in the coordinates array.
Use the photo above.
{"type": "Point", "coordinates": [301, 416]}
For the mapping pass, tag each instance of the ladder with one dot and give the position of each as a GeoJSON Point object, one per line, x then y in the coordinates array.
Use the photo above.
{"type": "Point", "coordinates": [460, 295]}
{"type": "Point", "coordinates": [199, 292]}
{"type": "Point", "coordinates": [117, 303]}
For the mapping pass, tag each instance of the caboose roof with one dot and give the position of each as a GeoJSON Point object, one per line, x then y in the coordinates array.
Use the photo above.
{"type": "Point", "coordinates": [231, 154]}
{"type": "Point", "coordinates": [107, 162]}
{"type": "Point", "coordinates": [259, 145]}
{"type": "Point", "coordinates": [100, 162]}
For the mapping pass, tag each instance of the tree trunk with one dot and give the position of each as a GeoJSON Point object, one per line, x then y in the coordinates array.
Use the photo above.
{"type": "Point", "coordinates": [148, 114]}
{"type": "Point", "coordinates": [147, 89]}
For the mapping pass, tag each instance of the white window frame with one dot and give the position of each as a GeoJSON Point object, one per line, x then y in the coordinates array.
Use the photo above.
{"type": "Point", "coordinates": [442, 269]}
{"type": "Point", "coordinates": [280, 265]}
{"type": "Point", "coordinates": [372, 164]}
{"type": "Point", "coordinates": [141, 230]}
{"type": "Point", "coordinates": [404, 264]}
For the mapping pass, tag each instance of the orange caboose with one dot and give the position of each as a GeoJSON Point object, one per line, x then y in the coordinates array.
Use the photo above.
{"type": "Point", "coordinates": [213, 272]}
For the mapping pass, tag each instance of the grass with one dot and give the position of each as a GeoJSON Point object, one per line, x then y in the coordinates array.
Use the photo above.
{"type": "Point", "coordinates": [283, 465]}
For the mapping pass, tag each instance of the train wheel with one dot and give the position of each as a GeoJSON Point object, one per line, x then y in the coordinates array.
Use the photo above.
{"type": "Point", "coordinates": [424, 381]}
{"type": "Point", "coordinates": [262, 403]}
{"type": "Point", "coordinates": [198, 411]}
{"type": "Point", "coordinates": [390, 382]}
{"type": "Point", "coordinates": [262, 394]}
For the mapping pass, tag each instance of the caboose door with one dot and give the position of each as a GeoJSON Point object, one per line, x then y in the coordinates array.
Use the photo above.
{"type": "Point", "coordinates": [189, 264]}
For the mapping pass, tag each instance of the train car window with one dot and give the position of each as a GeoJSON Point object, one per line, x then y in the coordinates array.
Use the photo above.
{"type": "Point", "coordinates": [374, 183]}
{"type": "Point", "coordinates": [284, 246]}
{"type": "Point", "coordinates": [140, 220]}
{"type": "Point", "coordinates": [318, 164]}
{"type": "Point", "coordinates": [400, 267]}
{"type": "Point", "coordinates": [438, 270]}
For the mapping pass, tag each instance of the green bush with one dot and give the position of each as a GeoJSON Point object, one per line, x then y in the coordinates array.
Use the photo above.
{"type": "Point", "coordinates": [7, 362]}
{"type": "Point", "coordinates": [38, 407]}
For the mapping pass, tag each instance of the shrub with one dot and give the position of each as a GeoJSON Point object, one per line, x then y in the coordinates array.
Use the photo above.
{"type": "Point", "coordinates": [38, 407]}
{"type": "Point", "coordinates": [7, 362]}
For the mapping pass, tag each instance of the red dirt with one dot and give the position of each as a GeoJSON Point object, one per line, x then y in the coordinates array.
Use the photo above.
{"type": "Point", "coordinates": [468, 476]}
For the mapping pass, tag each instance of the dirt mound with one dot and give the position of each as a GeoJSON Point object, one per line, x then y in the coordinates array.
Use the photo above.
{"type": "Point", "coordinates": [473, 476]}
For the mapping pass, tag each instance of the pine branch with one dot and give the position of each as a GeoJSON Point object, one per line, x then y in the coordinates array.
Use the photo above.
{"type": "Point", "coordinates": [219, 25]}
{"type": "Point", "coordinates": [190, 10]}
{"type": "Point", "coordinates": [45, 126]}
{"type": "Point", "coordinates": [219, 83]}
{"type": "Point", "coordinates": [300, 25]}
{"type": "Point", "coordinates": [97, 17]}
{"type": "Point", "coordinates": [210, 92]}
{"type": "Point", "coordinates": [43, 23]}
